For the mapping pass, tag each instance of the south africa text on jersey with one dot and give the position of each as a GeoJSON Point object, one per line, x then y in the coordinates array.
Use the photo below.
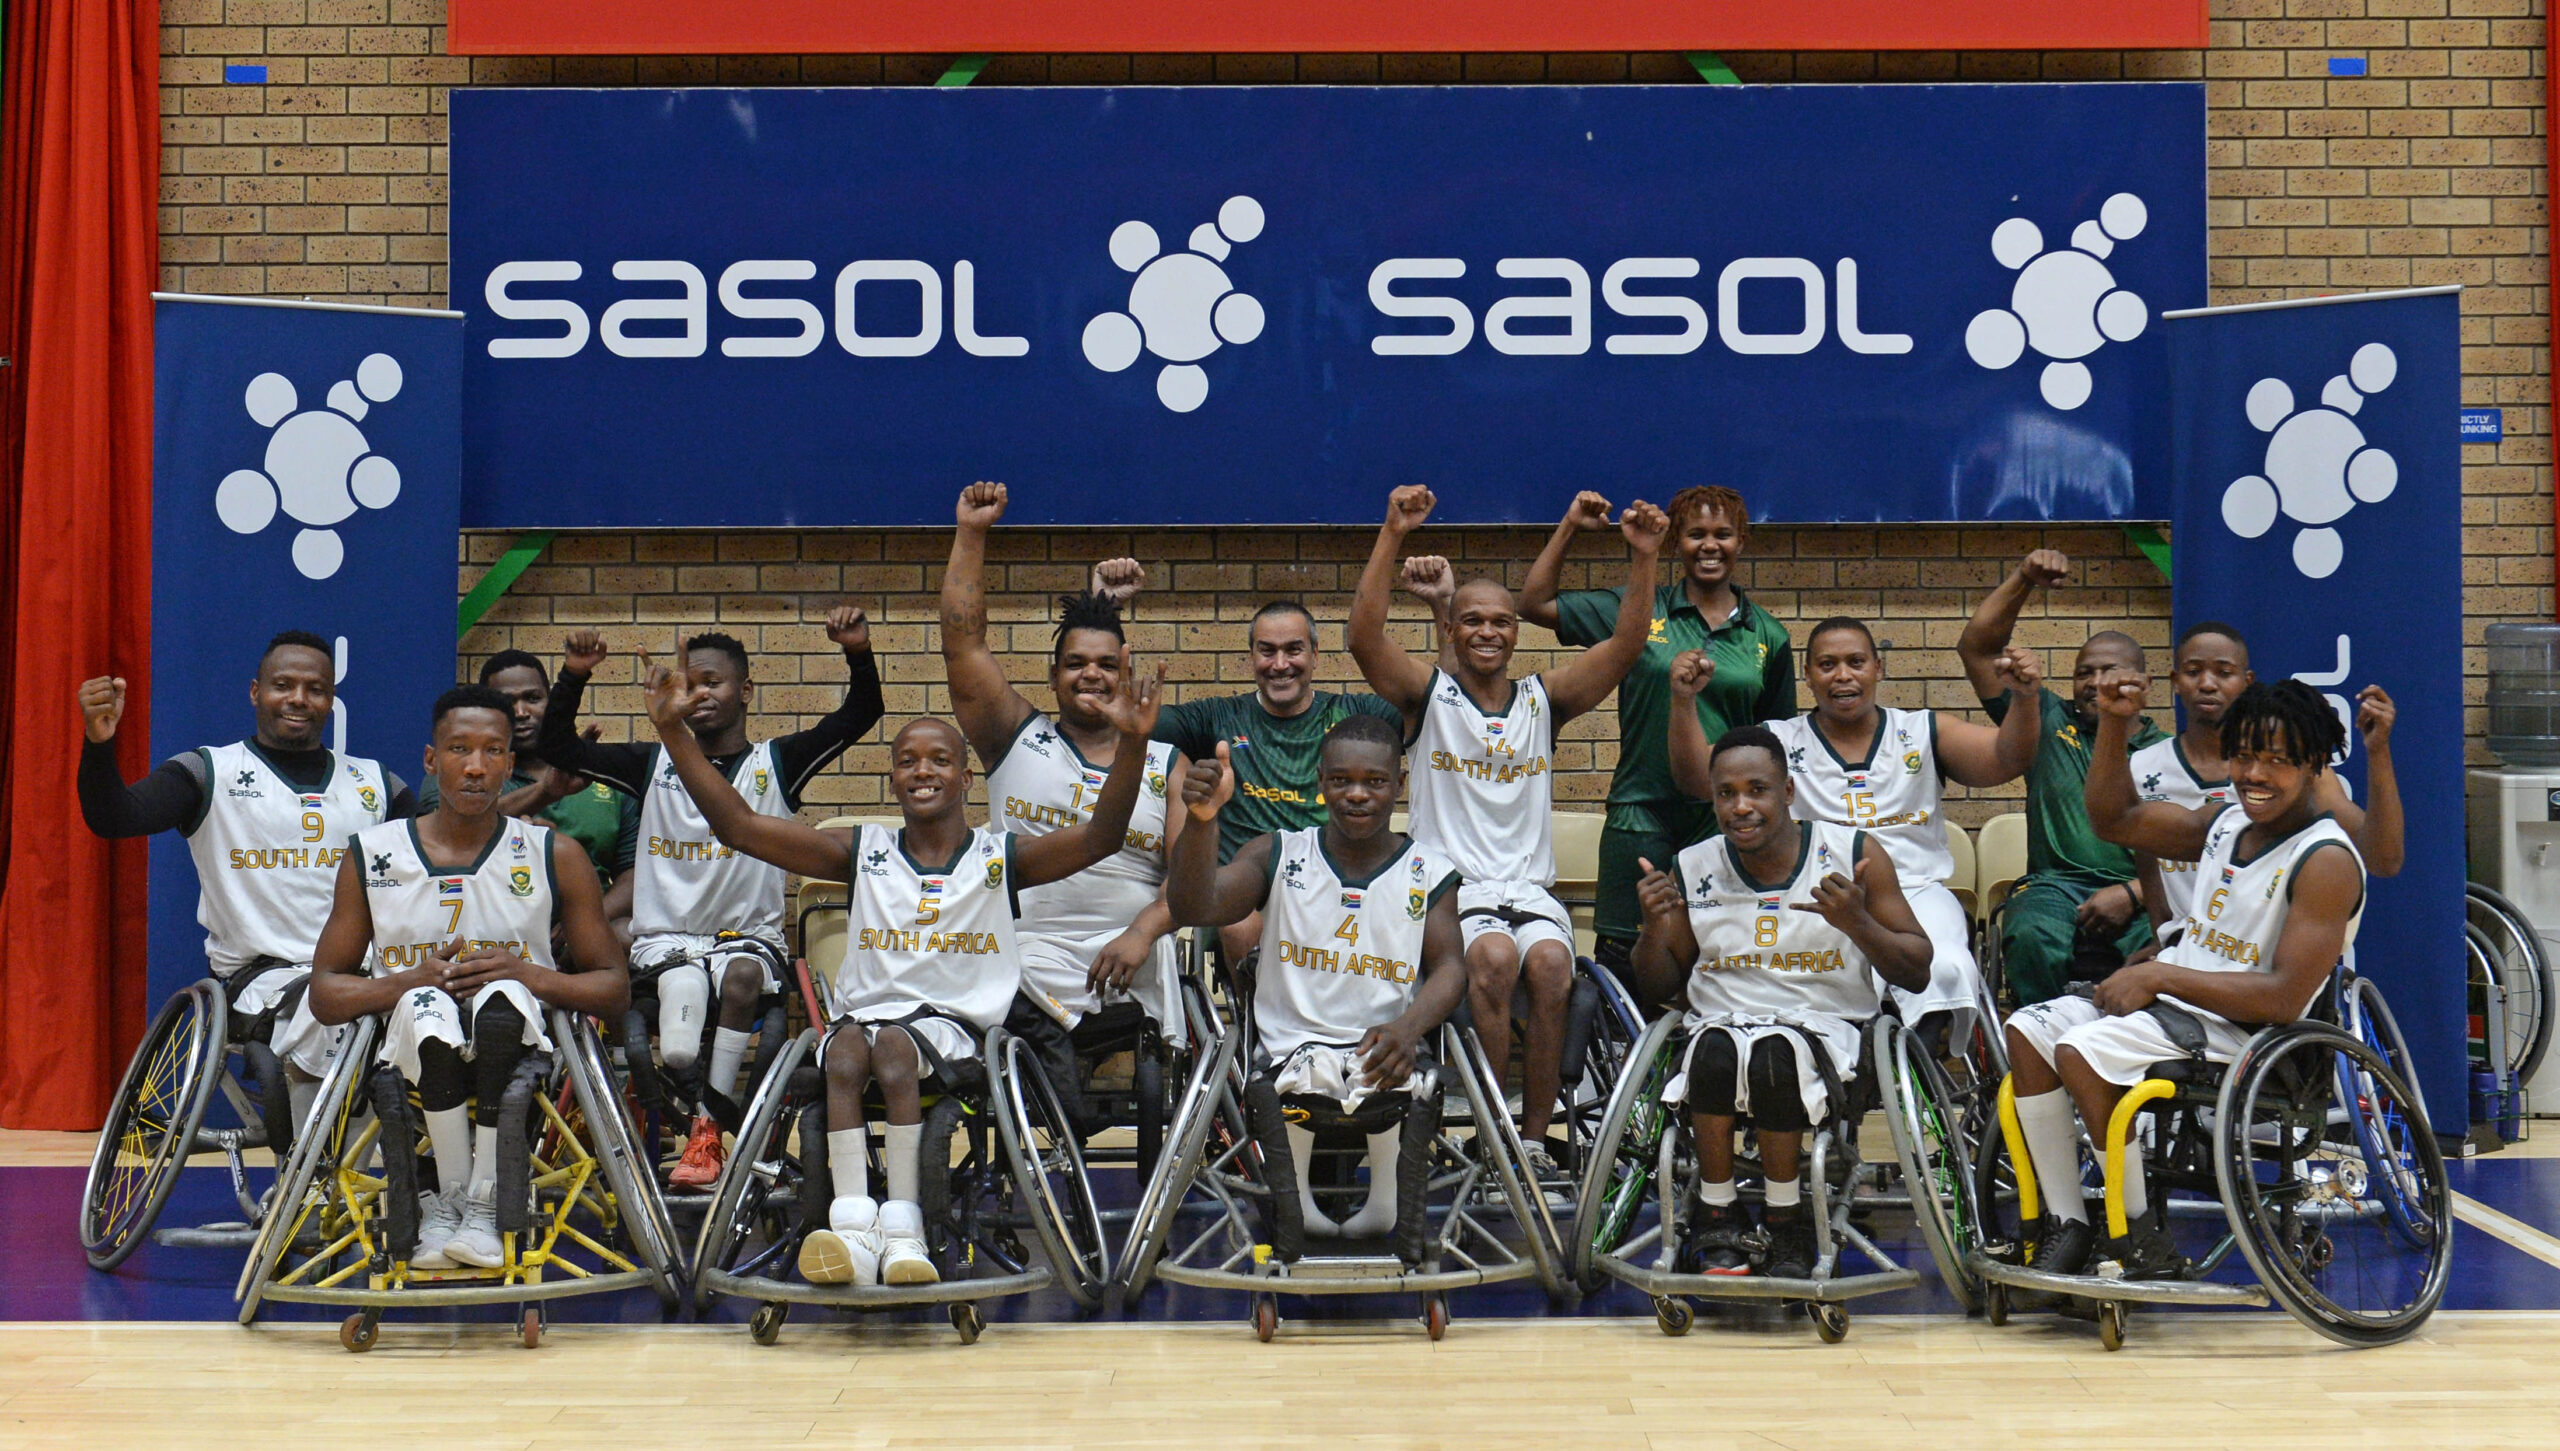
{"type": "Point", "coordinates": [1827, 960]}
{"type": "Point", "coordinates": [902, 939]}
{"type": "Point", "coordinates": [285, 858]}
{"type": "Point", "coordinates": [1059, 817]}
{"type": "Point", "coordinates": [675, 849]}
{"type": "Point", "coordinates": [1357, 964]}
{"type": "Point", "coordinates": [401, 956]}
{"type": "Point", "coordinates": [2221, 944]}
{"type": "Point", "coordinates": [1486, 769]}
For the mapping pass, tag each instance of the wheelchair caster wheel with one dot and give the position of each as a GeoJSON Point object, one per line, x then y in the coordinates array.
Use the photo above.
{"type": "Point", "coordinates": [964, 1318]}
{"type": "Point", "coordinates": [1995, 1302]}
{"type": "Point", "coordinates": [1830, 1321]}
{"type": "Point", "coordinates": [1435, 1315]}
{"type": "Point", "coordinates": [1266, 1317]}
{"type": "Point", "coordinates": [764, 1327]}
{"type": "Point", "coordinates": [529, 1327]}
{"type": "Point", "coordinates": [2317, 1250]}
{"type": "Point", "coordinates": [359, 1331]}
{"type": "Point", "coordinates": [1673, 1315]}
{"type": "Point", "coordinates": [2111, 1324]}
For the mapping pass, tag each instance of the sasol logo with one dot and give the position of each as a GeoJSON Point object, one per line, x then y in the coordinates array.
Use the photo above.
{"type": "Point", "coordinates": [690, 311]}
{"type": "Point", "coordinates": [1559, 323]}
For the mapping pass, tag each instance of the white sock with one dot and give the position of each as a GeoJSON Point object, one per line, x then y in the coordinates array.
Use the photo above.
{"type": "Point", "coordinates": [728, 1051]}
{"type": "Point", "coordinates": [1378, 1215]}
{"type": "Point", "coordinates": [849, 1161]}
{"type": "Point", "coordinates": [898, 1154]}
{"type": "Point", "coordinates": [1719, 1193]}
{"type": "Point", "coordinates": [300, 1093]}
{"type": "Point", "coordinates": [2053, 1149]}
{"type": "Point", "coordinates": [683, 993]}
{"type": "Point", "coordinates": [1784, 1193]}
{"type": "Point", "coordinates": [484, 1160]}
{"type": "Point", "coordinates": [449, 1136]}
{"type": "Point", "coordinates": [1302, 1149]}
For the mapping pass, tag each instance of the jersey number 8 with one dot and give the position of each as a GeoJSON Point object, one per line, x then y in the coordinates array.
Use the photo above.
{"type": "Point", "coordinates": [1764, 931]}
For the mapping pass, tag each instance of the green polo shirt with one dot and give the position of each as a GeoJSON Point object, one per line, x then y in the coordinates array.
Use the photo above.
{"type": "Point", "coordinates": [1755, 678]}
{"type": "Point", "coordinates": [2060, 841]}
{"type": "Point", "coordinates": [1274, 756]}
{"type": "Point", "coordinates": [599, 818]}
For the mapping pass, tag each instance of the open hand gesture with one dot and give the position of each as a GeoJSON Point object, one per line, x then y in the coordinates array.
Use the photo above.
{"type": "Point", "coordinates": [1207, 785]}
{"type": "Point", "coordinates": [1135, 700]}
{"type": "Point", "coordinates": [669, 694]}
{"type": "Point", "coordinates": [101, 706]}
{"type": "Point", "coordinates": [1837, 900]}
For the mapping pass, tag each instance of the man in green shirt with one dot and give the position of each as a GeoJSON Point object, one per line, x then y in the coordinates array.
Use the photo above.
{"type": "Point", "coordinates": [1272, 735]}
{"type": "Point", "coordinates": [1701, 609]}
{"type": "Point", "coordinates": [2078, 912]}
{"type": "Point", "coordinates": [604, 821]}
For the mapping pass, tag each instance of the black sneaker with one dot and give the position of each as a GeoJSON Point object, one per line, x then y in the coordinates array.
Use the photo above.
{"type": "Point", "coordinates": [1716, 1243]}
{"type": "Point", "coordinates": [2063, 1247]}
{"type": "Point", "coordinates": [1791, 1247]}
{"type": "Point", "coordinates": [2147, 1253]}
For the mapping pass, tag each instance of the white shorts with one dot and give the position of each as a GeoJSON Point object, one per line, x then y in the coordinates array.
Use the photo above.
{"type": "Point", "coordinates": [2120, 1050]}
{"type": "Point", "coordinates": [429, 1013]}
{"type": "Point", "coordinates": [300, 1039]}
{"type": "Point", "coordinates": [1487, 907]}
{"type": "Point", "coordinates": [953, 1041]}
{"type": "Point", "coordinates": [656, 948]}
{"type": "Point", "coordinates": [1837, 1035]}
{"type": "Point", "coordinates": [1955, 980]}
{"type": "Point", "coordinates": [1053, 979]}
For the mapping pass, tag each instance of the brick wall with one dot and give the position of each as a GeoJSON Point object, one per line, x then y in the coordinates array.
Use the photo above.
{"type": "Point", "coordinates": [329, 181]}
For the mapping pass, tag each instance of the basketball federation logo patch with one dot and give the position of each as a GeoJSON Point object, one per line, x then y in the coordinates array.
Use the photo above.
{"type": "Point", "coordinates": [372, 801]}
{"type": "Point", "coordinates": [995, 874]}
{"type": "Point", "coordinates": [520, 881]}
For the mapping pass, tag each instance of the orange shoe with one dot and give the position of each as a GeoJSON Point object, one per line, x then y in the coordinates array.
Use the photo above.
{"type": "Point", "coordinates": [700, 1166]}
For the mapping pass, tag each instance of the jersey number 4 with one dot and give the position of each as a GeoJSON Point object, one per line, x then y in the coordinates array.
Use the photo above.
{"type": "Point", "coordinates": [1349, 931]}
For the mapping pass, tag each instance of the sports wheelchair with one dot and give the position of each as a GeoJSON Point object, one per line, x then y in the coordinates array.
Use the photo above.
{"type": "Point", "coordinates": [1202, 1218]}
{"type": "Point", "coordinates": [1645, 1154]}
{"type": "Point", "coordinates": [665, 1098]}
{"type": "Point", "coordinates": [2312, 1149]}
{"type": "Point", "coordinates": [197, 1043]}
{"type": "Point", "coordinates": [578, 1213]}
{"type": "Point", "coordinates": [1019, 1165]}
{"type": "Point", "coordinates": [1602, 1022]}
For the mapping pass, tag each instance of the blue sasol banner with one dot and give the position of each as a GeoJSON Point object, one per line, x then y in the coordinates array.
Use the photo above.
{"type": "Point", "coordinates": [2319, 492]}
{"type": "Point", "coordinates": [306, 466]}
{"type": "Point", "coordinates": [1240, 304]}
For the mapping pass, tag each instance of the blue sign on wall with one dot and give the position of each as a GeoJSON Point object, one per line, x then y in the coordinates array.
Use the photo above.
{"type": "Point", "coordinates": [2320, 512]}
{"type": "Point", "coordinates": [306, 474]}
{"type": "Point", "coordinates": [1239, 304]}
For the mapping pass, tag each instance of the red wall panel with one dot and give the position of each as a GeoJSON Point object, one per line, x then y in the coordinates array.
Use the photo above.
{"type": "Point", "coordinates": [732, 27]}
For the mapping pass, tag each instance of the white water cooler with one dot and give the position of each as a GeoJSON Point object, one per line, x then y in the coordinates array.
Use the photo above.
{"type": "Point", "coordinates": [2514, 820]}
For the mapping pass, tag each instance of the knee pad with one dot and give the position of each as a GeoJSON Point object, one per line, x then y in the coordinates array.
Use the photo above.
{"type": "Point", "coordinates": [1712, 1061]}
{"type": "Point", "coordinates": [1777, 1101]}
{"type": "Point", "coordinates": [1413, 1178]}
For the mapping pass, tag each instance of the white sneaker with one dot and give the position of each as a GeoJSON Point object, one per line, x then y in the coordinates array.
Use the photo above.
{"type": "Point", "coordinates": [438, 1220]}
{"type": "Point", "coordinates": [476, 1242]}
{"type": "Point", "coordinates": [847, 1251]}
{"type": "Point", "coordinates": [902, 1257]}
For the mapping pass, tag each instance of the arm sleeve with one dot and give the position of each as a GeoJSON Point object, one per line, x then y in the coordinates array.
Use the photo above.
{"type": "Point", "coordinates": [1587, 616]}
{"type": "Point", "coordinates": [1997, 707]}
{"type": "Point", "coordinates": [624, 767]}
{"type": "Point", "coordinates": [169, 798]}
{"type": "Point", "coordinates": [803, 754]}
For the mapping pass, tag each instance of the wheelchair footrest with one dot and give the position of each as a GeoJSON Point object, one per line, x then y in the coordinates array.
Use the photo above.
{"type": "Point", "coordinates": [2093, 1287]}
{"type": "Point", "coordinates": [1342, 1267]}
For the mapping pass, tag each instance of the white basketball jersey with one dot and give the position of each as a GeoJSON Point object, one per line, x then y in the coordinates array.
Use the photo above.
{"type": "Point", "coordinates": [505, 899]}
{"type": "Point", "coordinates": [1339, 958]}
{"type": "Point", "coordinates": [2238, 911]}
{"type": "Point", "coordinates": [1042, 783]}
{"type": "Point", "coordinates": [1893, 795]}
{"type": "Point", "coordinates": [266, 852]}
{"type": "Point", "coordinates": [1481, 793]}
{"type": "Point", "coordinates": [934, 936]}
{"type": "Point", "coordinates": [689, 881]}
{"type": "Point", "coordinates": [2161, 773]}
{"type": "Point", "coordinates": [1760, 957]}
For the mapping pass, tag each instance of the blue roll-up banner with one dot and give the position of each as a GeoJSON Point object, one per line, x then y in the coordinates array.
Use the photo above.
{"type": "Point", "coordinates": [2319, 492]}
{"type": "Point", "coordinates": [306, 475]}
{"type": "Point", "coordinates": [717, 308]}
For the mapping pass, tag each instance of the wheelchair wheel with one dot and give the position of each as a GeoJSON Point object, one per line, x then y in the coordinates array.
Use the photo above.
{"type": "Point", "coordinates": [2318, 1140]}
{"type": "Point", "coordinates": [1497, 1140]}
{"type": "Point", "coordinates": [2515, 951]}
{"type": "Point", "coordinates": [966, 1320]}
{"type": "Point", "coordinates": [1047, 1160]}
{"type": "Point", "coordinates": [1672, 1315]}
{"type": "Point", "coordinates": [764, 1327]}
{"type": "Point", "coordinates": [158, 1108]}
{"type": "Point", "coordinates": [1618, 1175]}
{"type": "Point", "coordinates": [1616, 1024]}
{"type": "Point", "coordinates": [1830, 1320]}
{"type": "Point", "coordinates": [753, 1224]}
{"type": "Point", "coordinates": [300, 1199]}
{"type": "Point", "coordinates": [2364, 1013]}
{"type": "Point", "coordinates": [1937, 1161]}
{"type": "Point", "coordinates": [2111, 1325]}
{"type": "Point", "coordinates": [1212, 1104]}
{"type": "Point", "coordinates": [640, 1211]}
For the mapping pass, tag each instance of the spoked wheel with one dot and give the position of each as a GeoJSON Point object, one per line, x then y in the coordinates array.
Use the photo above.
{"type": "Point", "coordinates": [1616, 1024]}
{"type": "Point", "coordinates": [751, 1226]}
{"type": "Point", "coordinates": [1266, 1317]}
{"type": "Point", "coordinates": [1937, 1161]}
{"type": "Point", "coordinates": [1618, 1173]}
{"type": "Point", "coordinates": [2335, 1192]}
{"type": "Point", "coordinates": [2365, 1014]}
{"type": "Point", "coordinates": [1830, 1321]}
{"type": "Point", "coordinates": [1497, 1141]}
{"type": "Point", "coordinates": [1211, 1102]}
{"type": "Point", "coordinates": [2516, 953]}
{"type": "Point", "coordinates": [966, 1320]}
{"type": "Point", "coordinates": [158, 1108]}
{"type": "Point", "coordinates": [1047, 1160]}
{"type": "Point", "coordinates": [639, 1210]}
{"type": "Point", "coordinates": [2111, 1324]}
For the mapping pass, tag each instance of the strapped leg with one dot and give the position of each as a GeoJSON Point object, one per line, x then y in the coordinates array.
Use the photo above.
{"type": "Point", "coordinates": [1284, 1219]}
{"type": "Point", "coordinates": [1413, 1177]}
{"type": "Point", "coordinates": [399, 1144]}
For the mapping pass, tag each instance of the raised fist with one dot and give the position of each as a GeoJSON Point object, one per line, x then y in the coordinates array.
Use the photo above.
{"type": "Point", "coordinates": [981, 505]}
{"type": "Point", "coordinates": [101, 706]}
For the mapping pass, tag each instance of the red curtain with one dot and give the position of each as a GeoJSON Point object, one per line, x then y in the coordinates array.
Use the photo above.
{"type": "Point", "coordinates": [79, 253]}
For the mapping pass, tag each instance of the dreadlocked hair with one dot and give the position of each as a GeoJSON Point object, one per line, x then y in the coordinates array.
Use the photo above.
{"type": "Point", "coordinates": [2283, 717]}
{"type": "Point", "coordinates": [1086, 611]}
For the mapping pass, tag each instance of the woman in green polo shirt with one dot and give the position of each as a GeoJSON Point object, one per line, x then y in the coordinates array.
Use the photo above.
{"type": "Point", "coordinates": [1701, 609]}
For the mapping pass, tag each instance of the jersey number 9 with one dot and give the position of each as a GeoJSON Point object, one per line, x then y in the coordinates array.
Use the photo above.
{"type": "Point", "coordinates": [313, 827]}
